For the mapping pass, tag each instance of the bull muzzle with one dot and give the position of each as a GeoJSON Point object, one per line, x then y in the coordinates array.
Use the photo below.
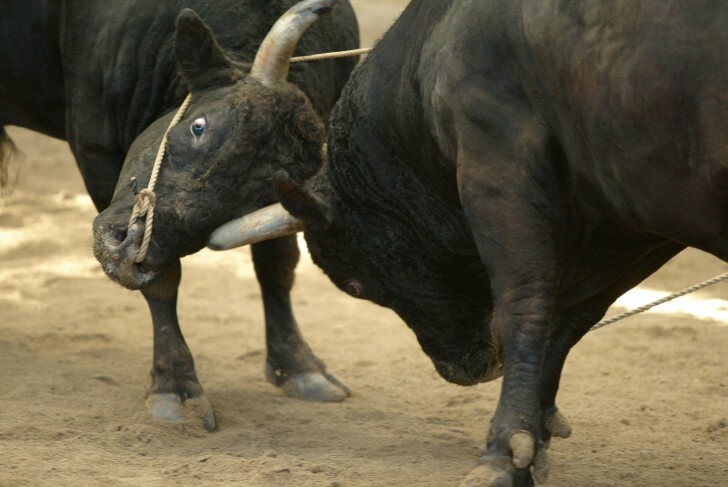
{"type": "Point", "coordinates": [116, 252]}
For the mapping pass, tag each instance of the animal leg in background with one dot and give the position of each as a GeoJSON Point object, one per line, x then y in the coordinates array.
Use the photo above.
{"type": "Point", "coordinates": [290, 364]}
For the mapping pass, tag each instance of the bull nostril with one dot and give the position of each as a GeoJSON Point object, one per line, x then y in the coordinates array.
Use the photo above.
{"type": "Point", "coordinates": [118, 244]}
{"type": "Point", "coordinates": [119, 235]}
{"type": "Point", "coordinates": [114, 243]}
{"type": "Point", "coordinates": [110, 268]}
{"type": "Point", "coordinates": [117, 247]}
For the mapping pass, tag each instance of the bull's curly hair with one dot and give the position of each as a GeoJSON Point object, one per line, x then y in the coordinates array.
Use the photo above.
{"type": "Point", "coordinates": [7, 151]}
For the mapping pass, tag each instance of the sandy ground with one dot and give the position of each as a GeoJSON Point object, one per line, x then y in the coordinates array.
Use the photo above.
{"type": "Point", "coordinates": [648, 398]}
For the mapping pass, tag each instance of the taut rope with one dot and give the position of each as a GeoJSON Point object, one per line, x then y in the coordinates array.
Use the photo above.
{"type": "Point", "coordinates": [665, 299]}
{"type": "Point", "coordinates": [330, 55]}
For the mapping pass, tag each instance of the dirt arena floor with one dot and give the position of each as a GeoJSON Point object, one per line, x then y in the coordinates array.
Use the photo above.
{"type": "Point", "coordinates": [648, 398]}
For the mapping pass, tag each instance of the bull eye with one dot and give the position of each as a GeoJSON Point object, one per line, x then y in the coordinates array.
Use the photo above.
{"type": "Point", "coordinates": [354, 288]}
{"type": "Point", "coordinates": [198, 126]}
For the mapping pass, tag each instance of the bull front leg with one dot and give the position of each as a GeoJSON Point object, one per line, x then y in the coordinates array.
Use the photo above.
{"type": "Point", "coordinates": [565, 334]}
{"type": "Point", "coordinates": [514, 209]}
{"type": "Point", "coordinates": [514, 442]}
{"type": "Point", "coordinates": [175, 393]}
{"type": "Point", "coordinates": [522, 322]}
{"type": "Point", "coordinates": [290, 363]}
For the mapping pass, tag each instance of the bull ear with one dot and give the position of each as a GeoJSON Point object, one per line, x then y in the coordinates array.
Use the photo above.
{"type": "Point", "coordinates": [300, 202]}
{"type": "Point", "coordinates": [199, 57]}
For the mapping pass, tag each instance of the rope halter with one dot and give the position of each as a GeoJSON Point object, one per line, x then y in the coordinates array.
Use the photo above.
{"type": "Point", "coordinates": [146, 199]}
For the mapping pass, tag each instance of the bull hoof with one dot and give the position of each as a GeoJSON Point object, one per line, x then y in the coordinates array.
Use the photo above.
{"type": "Point", "coordinates": [517, 462]}
{"type": "Point", "coordinates": [557, 425]}
{"type": "Point", "coordinates": [500, 473]}
{"type": "Point", "coordinates": [310, 386]}
{"type": "Point", "coordinates": [493, 473]}
{"type": "Point", "coordinates": [169, 407]}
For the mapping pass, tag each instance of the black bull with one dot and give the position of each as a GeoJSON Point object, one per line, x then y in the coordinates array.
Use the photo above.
{"type": "Point", "coordinates": [499, 172]}
{"type": "Point", "coordinates": [107, 76]}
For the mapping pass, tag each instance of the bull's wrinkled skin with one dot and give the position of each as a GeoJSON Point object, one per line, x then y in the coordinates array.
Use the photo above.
{"type": "Point", "coordinates": [108, 77]}
{"type": "Point", "coordinates": [499, 172]}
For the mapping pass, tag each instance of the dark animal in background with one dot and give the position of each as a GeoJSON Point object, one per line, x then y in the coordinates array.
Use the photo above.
{"type": "Point", "coordinates": [499, 172]}
{"type": "Point", "coordinates": [108, 77]}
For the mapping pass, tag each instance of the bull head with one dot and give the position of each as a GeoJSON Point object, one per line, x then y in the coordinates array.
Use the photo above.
{"type": "Point", "coordinates": [271, 66]}
{"type": "Point", "coordinates": [238, 128]}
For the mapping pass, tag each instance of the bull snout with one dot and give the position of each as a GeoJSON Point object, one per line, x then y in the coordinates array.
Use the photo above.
{"type": "Point", "coordinates": [468, 374]}
{"type": "Point", "coordinates": [116, 250]}
{"type": "Point", "coordinates": [468, 361]}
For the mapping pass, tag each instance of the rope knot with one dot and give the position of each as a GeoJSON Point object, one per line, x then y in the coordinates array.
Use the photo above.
{"type": "Point", "coordinates": [145, 200]}
{"type": "Point", "coordinates": [144, 205]}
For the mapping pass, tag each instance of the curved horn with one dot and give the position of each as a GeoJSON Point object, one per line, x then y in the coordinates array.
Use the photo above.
{"type": "Point", "coordinates": [274, 54]}
{"type": "Point", "coordinates": [267, 223]}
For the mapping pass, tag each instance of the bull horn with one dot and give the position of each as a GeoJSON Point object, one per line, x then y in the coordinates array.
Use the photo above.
{"type": "Point", "coordinates": [267, 223]}
{"type": "Point", "coordinates": [274, 54]}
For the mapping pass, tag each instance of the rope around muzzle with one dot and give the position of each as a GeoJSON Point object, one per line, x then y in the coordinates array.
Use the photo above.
{"type": "Point", "coordinates": [146, 199]}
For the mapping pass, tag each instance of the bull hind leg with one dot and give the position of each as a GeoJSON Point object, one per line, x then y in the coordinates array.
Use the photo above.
{"type": "Point", "coordinates": [175, 393]}
{"type": "Point", "coordinates": [576, 321]}
{"type": "Point", "coordinates": [290, 363]}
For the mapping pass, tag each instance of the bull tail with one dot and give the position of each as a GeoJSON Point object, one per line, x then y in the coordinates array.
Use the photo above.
{"type": "Point", "coordinates": [7, 153]}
